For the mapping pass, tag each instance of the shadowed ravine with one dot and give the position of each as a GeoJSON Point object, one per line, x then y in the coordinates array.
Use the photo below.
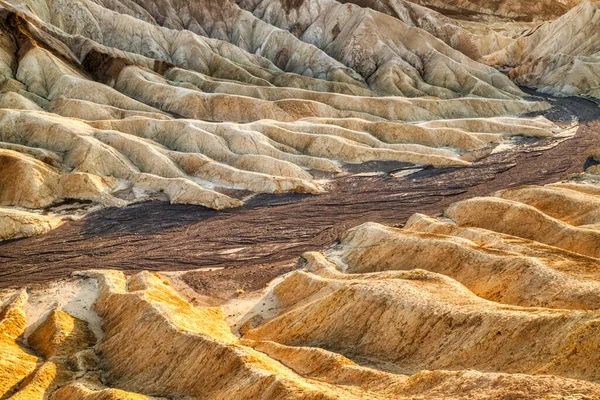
{"type": "Point", "coordinates": [256, 242]}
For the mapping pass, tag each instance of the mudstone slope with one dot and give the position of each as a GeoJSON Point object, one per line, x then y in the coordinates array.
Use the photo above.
{"type": "Point", "coordinates": [498, 298]}
{"type": "Point", "coordinates": [109, 102]}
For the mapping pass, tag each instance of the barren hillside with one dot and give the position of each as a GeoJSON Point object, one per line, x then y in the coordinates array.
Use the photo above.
{"type": "Point", "coordinates": [287, 199]}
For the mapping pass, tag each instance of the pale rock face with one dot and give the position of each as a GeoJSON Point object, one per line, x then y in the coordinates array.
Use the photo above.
{"type": "Point", "coordinates": [26, 181]}
{"type": "Point", "coordinates": [509, 9]}
{"type": "Point", "coordinates": [551, 46]}
{"type": "Point", "coordinates": [16, 224]}
{"type": "Point", "coordinates": [475, 290]}
{"type": "Point", "coordinates": [465, 306]}
{"type": "Point", "coordinates": [438, 25]}
{"type": "Point", "coordinates": [394, 57]}
{"type": "Point", "coordinates": [524, 246]}
{"type": "Point", "coordinates": [115, 102]}
{"type": "Point", "coordinates": [524, 273]}
{"type": "Point", "coordinates": [156, 345]}
{"type": "Point", "coordinates": [111, 102]}
{"type": "Point", "coordinates": [561, 57]}
{"type": "Point", "coordinates": [417, 320]}
{"type": "Point", "coordinates": [16, 363]}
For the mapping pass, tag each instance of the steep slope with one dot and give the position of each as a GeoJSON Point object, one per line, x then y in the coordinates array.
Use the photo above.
{"type": "Point", "coordinates": [478, 289]}
{"type": "Point", "coordinates": [154, 344]}
{"type": "Point", "coordinates": [394, 57]}
{"type": "Point", "coordinates": [490, 301]}
{"type": "Point", "coordinates": [438, 25]}
{"type": "Point", "coordinates": [320, 56]}
{"type": "Point", "coordinates": [401, 71]}
{"type": "Point", "coordinates": [474, 29]}
{"type": "Point", "coordinates": [561, 57]}
{"type": "Point", "coordinates": [104, 103]}
{"type": "Point", "coordinates": [109, 104]}
{"type": "Point", "coordinates": [509, 9]}
{"type": "Point", "coordinates": [16, 362]}
{"type": "Point", "coordinates": [16, 224]}
{"type": "Point", "coordinates": [417, 320]}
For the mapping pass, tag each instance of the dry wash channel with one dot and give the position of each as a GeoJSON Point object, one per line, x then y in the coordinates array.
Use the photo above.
{"type": "Point", "coordinates": [108, 103]}
{"type": "Point", "coordinates": [499, 298]}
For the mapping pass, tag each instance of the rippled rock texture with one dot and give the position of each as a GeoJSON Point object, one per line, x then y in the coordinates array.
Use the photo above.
{"type": "Point", "coordinates": [108, 103]}
{"type": "Point", "coordinates": [561, 57]}
{"type": "Point", "coordinates": [207, 103]}
{"type": "Point", "coordinates": [499, 298]}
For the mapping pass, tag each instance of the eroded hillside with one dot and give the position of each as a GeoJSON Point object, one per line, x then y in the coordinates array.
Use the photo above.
{"type": "Point", "coordinates": [281, 199]}
{"type": "Point", "coordinates": [109, 103]}
{"type": "Point", "coordinates": [498, 298]}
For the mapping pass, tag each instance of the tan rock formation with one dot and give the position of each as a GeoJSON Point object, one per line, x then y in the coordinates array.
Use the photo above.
{"type": "Point", "coordinates": [395, 58]}
{"type": "Point", "coordinates": [501, 295]}
{"type": "Point", "coordinates": [419, 297]}
{"type": "Point", "coordinates": [111, 102]}
{"type": "Point", "coordinates": [16, 224]}
{"type": "Point", "coordinates": [59, 338]}
{"type": "Point", "coordinates": [156, 344]}
{"type": "Point", "coordinates": [508, 9]}
{"type": "Point", "coordinates": [415, 15]}
{"type": "Point", "coordinates": [61, 335]}
{"type": "Point", "coordinates": [307, 53]}
{"type": "Point", "coordinates": [26, 181]}
{"type": "Point", "coordinates": [522, 220]}
{"type": "Point", "coordinates": [417, 319]}
{"type": "Point", "coordinates": [16, 362]}
{"type": "Point", "coordinates": [114, 102]}
{"type": "Point", "coordinates": [518, 272]}
{"type": "Point", "coordinates": [79, 391]}
{"type": "Point", "coordinates": [500, 300]}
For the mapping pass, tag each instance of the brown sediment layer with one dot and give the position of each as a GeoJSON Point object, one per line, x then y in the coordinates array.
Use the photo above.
{"type": "Point", "coordinates": [271, 232]}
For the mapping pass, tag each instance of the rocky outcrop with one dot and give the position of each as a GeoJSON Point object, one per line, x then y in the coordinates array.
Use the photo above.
{"type": "Point", "coordinates": [417, 320]}
{"type": "Point", "coordinates": [438, 25]}
{"type": "Point", "coordinates": [16, 362]}
{"type": "Point", "coordinates": [112, 103]}
{"type": "Point", "coordinates": [154, 344]}
{"type": "Point", "coordinates": [507, 9]}
{"type": "Point", "coordinates": [472, 290]}
{"type": "Point", "coordinates": [395, 58]}
{"type": "Point", "coordinates": [16, 224]}
{"type": "Point", "coordinates": [109, 102]}
{"type": "Point", "coordinates": [561, 57]}
{"type": "Point", "coordinates": [490, 301]}
{"type": "Point", "coordinates": [498, 298]}
{"type": "Point", "coordinates": [494, 266]}
{"type": "Point", "coordinates": [63, 341]}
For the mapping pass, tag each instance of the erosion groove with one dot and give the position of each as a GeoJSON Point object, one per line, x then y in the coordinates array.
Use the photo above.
{"type": "Point", "coordinates": [114, 103]}
{"type": "Point", "coordinates": [148, 235]}
{"type": "Point", "coordinates": [299, 199]}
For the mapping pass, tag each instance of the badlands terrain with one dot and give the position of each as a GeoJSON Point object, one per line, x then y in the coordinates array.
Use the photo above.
{"type": "Point", "coordinates": [288, 199]}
